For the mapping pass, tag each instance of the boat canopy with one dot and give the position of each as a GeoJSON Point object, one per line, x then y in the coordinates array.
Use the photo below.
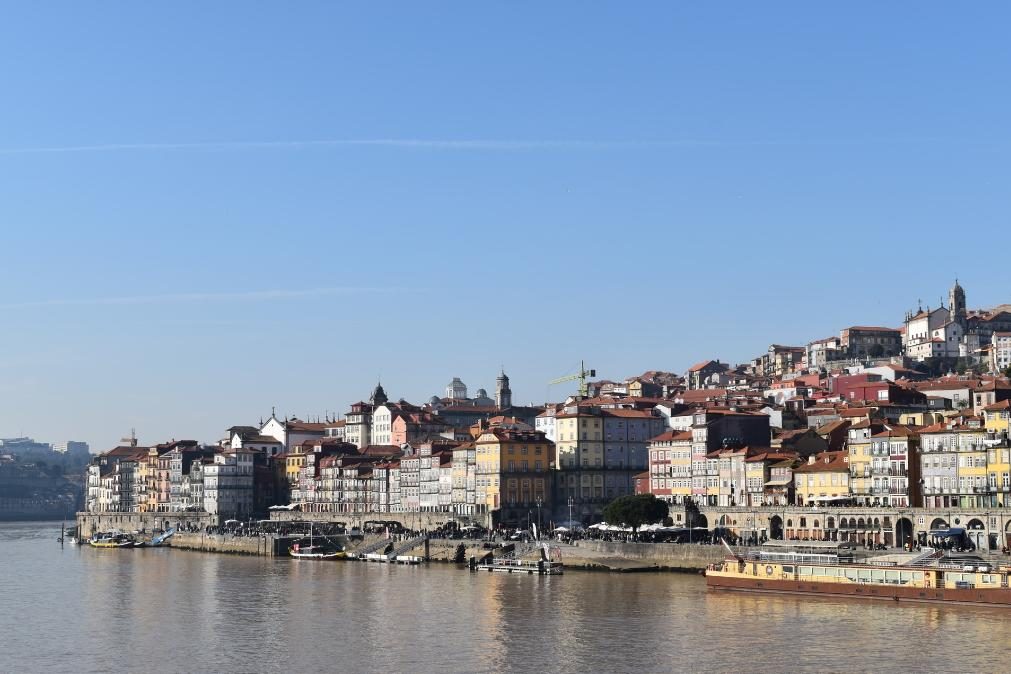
{"type": "Point", "coordinates": [944, 533]}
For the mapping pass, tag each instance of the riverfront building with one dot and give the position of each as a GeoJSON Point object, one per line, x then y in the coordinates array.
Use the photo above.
{"type": "Point", "coordinates": [895, 418]}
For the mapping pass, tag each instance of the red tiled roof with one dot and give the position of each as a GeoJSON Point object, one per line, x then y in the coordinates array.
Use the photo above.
{"type": "Point", "coordinates": [826, 462]}
{"type": "Point", "coordinates": [872, 328]}
{"type": "Point", "coordinates": [997, 407]}
{"type": "Point", "coordinates": [699, 366]}
{"type": "Point", "coordinates": [672, 435]}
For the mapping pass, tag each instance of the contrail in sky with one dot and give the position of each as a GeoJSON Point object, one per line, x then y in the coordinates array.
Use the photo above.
{"type": "Point", "coordinates": [474, 145]}
{"type": "Point", "coordinates": [182, 298]}
{"type": "Point", "coordinates": [401, 143]}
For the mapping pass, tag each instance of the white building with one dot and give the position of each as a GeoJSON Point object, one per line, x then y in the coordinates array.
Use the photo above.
{"type": "Point", "coordinates": [1000, 351]}
{"type": "Point", "coordinates": [545, 422]}
{"type": "Point", "coordinates": [228, 485]}
{"type": "Point", "coordinates": [382, 425]}
{"type": "Point", "coordinates": [248, 437]}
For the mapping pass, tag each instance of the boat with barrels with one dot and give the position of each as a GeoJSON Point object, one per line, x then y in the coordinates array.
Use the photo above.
{"type": "Point", "coordinates": [835, 569]}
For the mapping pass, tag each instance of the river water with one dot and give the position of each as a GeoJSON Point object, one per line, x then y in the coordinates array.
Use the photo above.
{"type": "Point", "coordinates": [81, 609]}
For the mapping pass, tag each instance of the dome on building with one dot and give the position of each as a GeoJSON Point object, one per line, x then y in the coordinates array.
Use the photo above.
{"type": "Point", "coordinates": [481, 393]}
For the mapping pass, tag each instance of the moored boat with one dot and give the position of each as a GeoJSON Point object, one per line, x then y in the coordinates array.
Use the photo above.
{"type": "Point", "coordinates": [550, 563]}
{"type": "Point", "coordinates": [112, 539]}
{"type": "Point", "coordinates": [831, 569]}
{"type": "Point", "coordinates": [313, 550]}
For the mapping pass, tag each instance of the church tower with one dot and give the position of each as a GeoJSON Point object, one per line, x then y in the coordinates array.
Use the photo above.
{"type": "Point", "coordinates": [956, 302]}
{"type": "Point", "coordinates": [503, 396]}
{"type": "Point", "coordinates": [378, 396]}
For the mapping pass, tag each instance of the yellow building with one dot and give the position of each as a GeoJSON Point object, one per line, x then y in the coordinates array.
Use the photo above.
{"type": "Point", "coordinates": [824, 479]}
{"type": "Point", "coordinates": [514, 472]}
{"type": "Point", "coordinates": [858, 447]}
{"type": "Point", "coordinates": [293, 463]}
{"type": "Point", "coordinates": [997, 418]}
{"type": "Point", "coordinates": [579, 439]}
{"type": "Point", "coordinates": [579, 444]}
{"type": "Point", "coordinates": [147, 475]}
{"type": "Point", "coordinates": [920, 418]}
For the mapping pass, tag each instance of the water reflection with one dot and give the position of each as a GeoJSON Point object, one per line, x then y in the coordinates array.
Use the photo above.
{"type": "Point", "coordinates": [82, 609]}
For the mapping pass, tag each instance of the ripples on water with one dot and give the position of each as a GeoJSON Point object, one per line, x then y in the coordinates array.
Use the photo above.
{"type": "Point", "coordinates": [81, 609]}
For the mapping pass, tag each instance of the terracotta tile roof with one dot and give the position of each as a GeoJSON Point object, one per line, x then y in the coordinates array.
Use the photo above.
{"type": "Point", "coordinates": [699, 366]}
{"type": "Point", "coordinates": [833, 426]}
{"type": "Point", "coordinates": [628, 414]}
{"type": "Point", "coordinates": [772, 455]}
{"type": "Point", "coordinates": [826, 462]}
{"type": "Point", "coordinates": [305, 426]}
{"type": "Point", "coordinates": [857, 412]}
{"type": "Point", "coordinates": [872, 328]}
{"type": "Point", "coordinates": [1003, 405]}
{"type": "Point", "coordinates": [672, 435]}
{"type": "Point", "coordinates": [125, 450]}
{"type": "Point", "coordinates": [701, 395]}
{"type": "Point", "coordinates": [897, 432]}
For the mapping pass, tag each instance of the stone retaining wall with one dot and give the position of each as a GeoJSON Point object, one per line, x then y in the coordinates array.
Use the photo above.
{"type": "Point", "coordinates": [266, 546]}
{"type": "Point", "coordinates": [90, 523]}
{"type": "Point", "coordinates": [667, 555]}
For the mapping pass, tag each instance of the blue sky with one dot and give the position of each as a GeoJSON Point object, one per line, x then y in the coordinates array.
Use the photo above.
{"type": "Point", "coordinates": [211, 208]}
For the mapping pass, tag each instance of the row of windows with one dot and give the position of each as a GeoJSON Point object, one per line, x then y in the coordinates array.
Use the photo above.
{"type": "Point", "coordinates": [822, 480]}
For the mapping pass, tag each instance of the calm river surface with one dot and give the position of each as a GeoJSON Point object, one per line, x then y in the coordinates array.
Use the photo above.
{"type": "Point", "coordinates": [81, 609]}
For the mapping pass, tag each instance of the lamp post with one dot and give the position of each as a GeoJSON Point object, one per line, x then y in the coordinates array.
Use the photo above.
{"type": "Point", "coordinates": [540, 502]}
{"type": "Point", "coordinates": [570, 511]}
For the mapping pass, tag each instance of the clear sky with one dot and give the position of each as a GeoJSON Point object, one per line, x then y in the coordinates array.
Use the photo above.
{"type": "Point", "coordinates": [211, 208]}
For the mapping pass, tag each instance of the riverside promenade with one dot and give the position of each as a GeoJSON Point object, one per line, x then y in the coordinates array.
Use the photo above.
{"type": "Point", "coordinates": [584, 555]}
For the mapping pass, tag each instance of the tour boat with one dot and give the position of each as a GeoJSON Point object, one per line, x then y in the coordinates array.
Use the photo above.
{"type": "Point", "coordinates": [550, 563]}
{"type": "Point", "coordinates": [831, 569]}
{"type": "Point", "coordinates": [112, 540]}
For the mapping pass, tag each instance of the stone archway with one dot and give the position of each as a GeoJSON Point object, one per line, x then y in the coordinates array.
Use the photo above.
{"type": "Point", "coordinates": [903, 531]}
{"type": "Point", "coordinates": [938, 523]}
{"type": "Point", "coordinates": [776, 528]}
{"type": "Point", "coordinates": [975, 531]}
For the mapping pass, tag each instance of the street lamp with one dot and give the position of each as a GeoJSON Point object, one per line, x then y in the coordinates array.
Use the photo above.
{"type": "Point", "coordinates": [570, 511]}
{"type": "Point", "coordinates": [540, 501]}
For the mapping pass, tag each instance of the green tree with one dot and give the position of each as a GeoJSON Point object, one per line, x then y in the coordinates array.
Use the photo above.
{"type": "Point", "coordinates": [1007, 372]}
{"type": "Point", "coordinates": [635, 511]}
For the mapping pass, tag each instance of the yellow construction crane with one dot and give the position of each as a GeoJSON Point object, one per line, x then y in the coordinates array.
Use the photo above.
{"type": "Point", "coordinates": [581, 376]}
